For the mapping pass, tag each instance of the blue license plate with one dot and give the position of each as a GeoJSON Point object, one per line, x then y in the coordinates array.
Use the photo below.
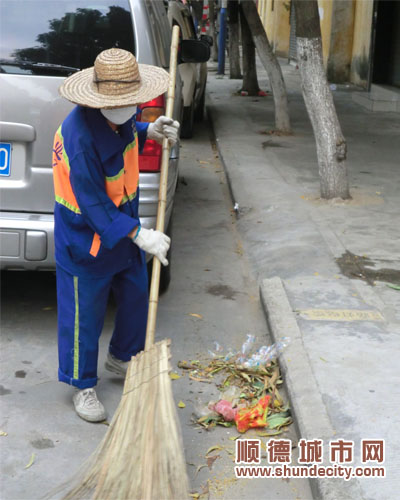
{"type": "Point", "coordinates": [5, 159]}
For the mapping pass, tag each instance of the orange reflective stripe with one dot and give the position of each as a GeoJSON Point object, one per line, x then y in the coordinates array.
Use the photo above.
{"type": "Point", "coordinates": [62, 185]}
{"type": "Point", "coordinates": [115, 187]}
{"type": "Point", "coordinates": [123, 185]}
{"type": "Point", "coordinates": [94, 249]}
{"type": "Point", "coordinates": [131, 164]}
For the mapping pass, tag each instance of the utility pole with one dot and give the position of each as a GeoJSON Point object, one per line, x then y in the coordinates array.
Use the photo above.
{"type": "Point", "coordinates": [222, 38]}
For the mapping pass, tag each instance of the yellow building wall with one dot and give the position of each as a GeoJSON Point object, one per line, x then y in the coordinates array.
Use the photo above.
{"type": "Point", "coordinates": [282, 28]}
{"type": "Point", "coordinates": [353, 44]}
{"type": "Point", "coordinates": [325, 15]}
{"type": "Point", "coordinates": [275, 16]}
{"type": "Point", "coordinates": [361, 42]}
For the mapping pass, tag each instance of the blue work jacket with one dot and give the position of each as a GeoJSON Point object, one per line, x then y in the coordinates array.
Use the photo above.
{"type": "Point", "coordinates": [96, 183]}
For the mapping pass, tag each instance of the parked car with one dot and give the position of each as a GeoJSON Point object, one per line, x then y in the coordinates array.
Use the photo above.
{"type": "Point", "coordinates": [193, 75]}
{"type": "Point", "coordinates": [42, 42]}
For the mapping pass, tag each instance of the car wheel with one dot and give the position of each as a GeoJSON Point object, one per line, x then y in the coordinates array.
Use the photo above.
{"type": "Point", "coordinates": [165, 273]}
{"type": "Point", "coordinates": [199, 113]}
{"type": "Point", "coordinates": [187, 122]}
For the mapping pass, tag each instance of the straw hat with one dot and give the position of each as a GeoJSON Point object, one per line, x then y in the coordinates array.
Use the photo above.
{"type": "Point", "coordinates": [115, 81]}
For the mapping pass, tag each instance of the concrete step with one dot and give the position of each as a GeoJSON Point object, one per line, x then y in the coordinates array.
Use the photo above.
{"type": "Point", "coordinates": [381, 99]}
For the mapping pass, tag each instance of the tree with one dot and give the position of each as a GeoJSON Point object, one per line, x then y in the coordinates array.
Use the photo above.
{"type": "Point", "coordinates": [270, 63]}
{"type": "Point", "coordinates": [61, 45]}
{"type": "Point", "coordinates": [213, 19]}
{"type": "Point", "coordinates": [234, 53]}
{"type": "Point", "coordinates": [250, 81]}
{"type": "Point", "coordinates": [331, 144]}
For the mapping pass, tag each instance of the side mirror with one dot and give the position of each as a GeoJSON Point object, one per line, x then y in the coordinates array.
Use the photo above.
{"type": "Point", "coordinates": [194, 51]}
{"type": "Point", "coordinates": [207, 39]}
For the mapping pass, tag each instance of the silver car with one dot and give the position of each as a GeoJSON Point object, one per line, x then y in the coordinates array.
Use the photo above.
{"type": "Point", "coordinates": [42, 42]}
{"type": "Point", "coordinates": [193, 75]}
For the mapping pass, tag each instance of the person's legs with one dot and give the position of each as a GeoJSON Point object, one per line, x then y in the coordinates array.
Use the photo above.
{"type": "Point", "coordinates": [130, 288]}
{"type": "Point", "coordinates": [81, 307]}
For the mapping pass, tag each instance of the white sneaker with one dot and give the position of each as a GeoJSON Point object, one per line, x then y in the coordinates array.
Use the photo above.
{"type": "Point", "coordinates": [87, 406]}
{"type": "Point", "coordinates": [115, 365]}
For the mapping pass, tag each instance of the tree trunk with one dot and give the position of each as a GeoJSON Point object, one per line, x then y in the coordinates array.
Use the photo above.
{"type": "Point", "coordinates": [212, 13]}
{"type": "Point", "coordinates": [250, 82]}
{"type": "Point", "coordinates": [271, 64]}
{"type": "Point", "coordinates": [331, 144]}
{"type": "Point", "coordinates": [234, 54]}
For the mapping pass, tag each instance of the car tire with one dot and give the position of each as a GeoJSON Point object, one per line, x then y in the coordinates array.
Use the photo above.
{"type": "Point", "coordinates": [199, 113]}
{"type": "Point", "coordinates": [187, 122]}
{"type": "Point", "coordinates": [165, 273]}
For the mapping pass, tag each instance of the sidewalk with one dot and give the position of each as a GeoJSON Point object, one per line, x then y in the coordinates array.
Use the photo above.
{"type": "Point", "coordinates": [323, 267]}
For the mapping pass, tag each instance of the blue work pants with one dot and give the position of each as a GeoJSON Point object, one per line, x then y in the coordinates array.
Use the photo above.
{"type": "Point", "coordinates": [82, 305]}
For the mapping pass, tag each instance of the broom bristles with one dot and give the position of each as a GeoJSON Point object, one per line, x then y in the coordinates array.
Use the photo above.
{"type": "Point", "coordinates": [140, 457]}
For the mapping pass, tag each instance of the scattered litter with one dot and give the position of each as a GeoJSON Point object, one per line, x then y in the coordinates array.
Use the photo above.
{"type": "Point", "coordinates": [204, 162]}
{"type": "Point", "coordinates": [263, 355]}
{"type": "Point", "coordinates": [187, 366]}
{"type": "Point", "coordinates": [323, 359]}
{"type": "Point", "coordinates": [255, 416]}
{"type": "Point", "coordinates": [277, 420]}
{"type": "Point", "coordinates": [266, 354]}
{"type": "Point", "coordinates": [225, 409]}
{"type": "Point", "coordinates": [199, 469]}
{"type": "Point", "coordinates": [196, 315]}
{"type": "Point", "coordinates": [211, 460]}
{"type": "Point", "coordinates": [395, 287]}
{"type": "Point", "coordinates": [174, 376]}
{"type": "Point", "coordinates": [260, 93]}
{"type": "Point", "coordinates": [181, 404]}
{"type": "Point", "coordinates": [246, 347]}
{"type": "Point", "coordinates": [3, 433]}
{"type": "Point", "coordinates": [217, 447]}
{"type": "Point", "coordinates": [31, 461]}
{"type": "Point", "coordinates": [105, 422]}
{"type": "Point", "coordinates": [236, 207]}
{"type": "Point", "coordinates": [217, 350]}
{"type": "Point", "coordinates": [248, 382]}
{"type": "Point", "coordinates": [332, 86]}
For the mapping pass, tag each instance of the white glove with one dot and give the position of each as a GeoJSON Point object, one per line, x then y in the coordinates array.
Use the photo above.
{"type": "Point", "coordinates": [154, 242]}
{"type": "Point", "coordinates": [162, 128]}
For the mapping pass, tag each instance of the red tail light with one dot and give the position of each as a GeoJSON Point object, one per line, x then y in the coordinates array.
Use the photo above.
{"type": "Point", "coordinates": [150, 157]}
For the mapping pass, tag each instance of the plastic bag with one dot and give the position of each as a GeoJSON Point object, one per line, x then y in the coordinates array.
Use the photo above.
{"type": "Point", "coordinates": [256, 416]}
{"type": "Point", "coordinates": [246, 347]}
{"type": "Point", "coordinates": [266, 354]}
{"type": "Point", "coordinates": [217, 350]}
{"type": "Point", "coordinates": [225, 409]}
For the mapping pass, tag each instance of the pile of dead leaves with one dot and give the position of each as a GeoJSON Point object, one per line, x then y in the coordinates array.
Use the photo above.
{"type": "Point", "coordinates": [249, 384]}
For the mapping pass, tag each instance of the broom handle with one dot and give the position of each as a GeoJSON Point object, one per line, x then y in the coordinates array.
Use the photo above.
{"type": "Point", "coordinates": [162, 196]}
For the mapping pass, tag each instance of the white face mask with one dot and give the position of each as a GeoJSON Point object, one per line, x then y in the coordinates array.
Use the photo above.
{"type": "Point", "coordinates": [119, 115]}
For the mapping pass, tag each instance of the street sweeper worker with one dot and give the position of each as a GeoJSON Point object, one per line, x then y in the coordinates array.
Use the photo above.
{"type": "Point", "coordinates": [100, 244]}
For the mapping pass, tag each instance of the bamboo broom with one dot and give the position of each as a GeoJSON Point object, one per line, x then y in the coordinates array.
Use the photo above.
{"type": "Point", "coordinates": [141, 456]}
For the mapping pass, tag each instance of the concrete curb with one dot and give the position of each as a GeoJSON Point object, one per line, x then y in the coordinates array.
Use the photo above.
{"type": "Point", "coordinates": [211, 118]}
{"type": "Point", "coordinates": [310, 415]}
